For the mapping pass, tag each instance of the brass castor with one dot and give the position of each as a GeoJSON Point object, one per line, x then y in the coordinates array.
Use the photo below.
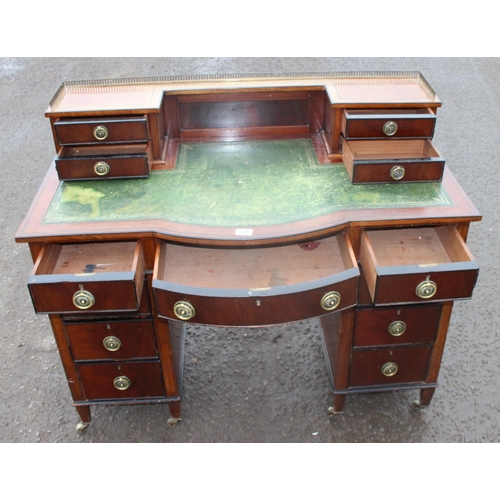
{"type": "Point", "coordinates": [172, 422]}
{"type": "Point", "coordinates": [81, 426]}
{"type": "Point", "coordinates": [332, 412]}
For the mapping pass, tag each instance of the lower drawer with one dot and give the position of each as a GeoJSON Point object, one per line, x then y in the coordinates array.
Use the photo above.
{"type": "Point", "coordinates": [111, 339]}
{"type": "Point", "coordinates": [121, 380]}
{"type": "Point", "coordinates": [82, 163]}
{"type": "Point", "coordinates": [388, 366]}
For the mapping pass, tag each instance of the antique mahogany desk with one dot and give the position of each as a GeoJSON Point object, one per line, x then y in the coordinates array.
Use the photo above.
{"type": "Point", "coordinates": [247, 200]}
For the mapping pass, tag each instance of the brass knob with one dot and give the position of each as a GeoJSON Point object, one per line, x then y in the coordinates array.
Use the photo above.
{"type": "Point", "coordinates": [83, 299]}
{"type": "Point", "coordinates": [397, 328]}
{"type": "Point", "coordinates": [426, 289]}
{"type": "Point", "coordinates": [100, 132]}
{"type": "Point", "coordinates": [112, 343]}
{"type": "Point", "coordinates": [122, 383]}
{"type": "Point", "coordinates": [397, 172]}
{"type": "Point", "coordinates": [390, 128]}
{"type": "Point", "coordinates": [101, 168]}
{"type": "Point", "coordinates": [389, 369]}
{"type": "Point", "coordinates": [330, 301]}
{"type": "Point", "coordinates": [184, 310]}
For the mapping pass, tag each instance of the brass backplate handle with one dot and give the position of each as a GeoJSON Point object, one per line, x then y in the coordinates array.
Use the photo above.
{"type": "Point", "coordinates": [390, 128]}
{"type": "Point", "coordinates": [330, 301]}
{"type": "Point", "coordinates": [184, 310]}
{"type": "Point", "coordinates": [100, 132]}
{"type": "Point", "coordinates": [397, 172]}
{"type": "Point", "coordinates": [397, 328]}
{"type": "Point", "coordinates": [389, 369]}
{"type": "Point", "coordinates": [112, 343]}
{"type": "Point", "coordinates": [426, 289]}
{"type": "Point", "coordinates": [122, 383]}
{"type": "Point", "coordinates": [83, 299]}
{"type": "Point", "coordinates": [101, 168]}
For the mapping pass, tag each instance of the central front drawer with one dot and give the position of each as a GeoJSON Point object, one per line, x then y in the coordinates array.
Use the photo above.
{"type": "Point", "coordinates": [255, 286]}
{"type": "Point", "coordinates": [80, 131]}
{"type": "Point", "coordinates": [388, 123]}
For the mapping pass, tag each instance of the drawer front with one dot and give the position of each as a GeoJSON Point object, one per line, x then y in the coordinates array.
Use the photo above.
{"type": "Point", "coordinates": [254, 309]}
{"type": "Point", "coordinates": [388, 366]}
{"type": "Point", "coordinates": [88, 278]}
{"type": "Point", "coordinates": [111, 340]}
{"type": "Point", "coordinates": [121, 380]}
{"type": "Point", "coordinates": [388, 124]}
{"type": "Point", "coordinates": [396, 325]}
{"type": "Point", "coordinates": [102, 167]}
{"type": "Point", "coordinates": [101, 130]}
{"type": "Point", "coordinates": [394, 171]}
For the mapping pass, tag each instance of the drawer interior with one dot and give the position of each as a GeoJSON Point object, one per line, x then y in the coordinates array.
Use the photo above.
{"type": "Point", "coordinates": [392, 150]}
{"type": "Point", "coordinates": [91, 151]}
{"type": "Point", "coordinates": [87, 258]}
{"type": "Point", "coordinates": [423, 246]}
{"type": "Point", "coordinates": [416, 112]}
{"type": "Point", "coordinates": [254, 268]}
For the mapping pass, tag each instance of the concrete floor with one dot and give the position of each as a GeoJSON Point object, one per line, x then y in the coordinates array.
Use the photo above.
{"type": "Point", "coordinates": [262, 385]}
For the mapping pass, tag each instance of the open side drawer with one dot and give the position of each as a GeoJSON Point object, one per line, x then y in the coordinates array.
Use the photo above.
{"type": "Point", "coordinates": [388, 123]}
{"type": "Point", "coordinates": [88, 277]}
{"type": "Point", "coordinates": [103, 162]}
{"type": "Point", "coordinates": [255, 286]}
{"type": "Point", "coordinates": [417, 265]}
{"type": "Point", "coordinates": [414, 160]}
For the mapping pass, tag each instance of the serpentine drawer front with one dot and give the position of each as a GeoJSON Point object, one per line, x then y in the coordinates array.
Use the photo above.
{"type": "Point", "coordinates": [417, 265]}
{"type": "Point", "coordinates": [388, 123]}
{"type": "Point", "coordinates": [92, 162]}
{"type": "Point", "coordinates": [88, 277]}
{"type": "Point", "coordinates": [255, 286]}
{"type": "Point", "coordinates": [128, 339]}
{"type": "Point", "coordinates": [81, 131]}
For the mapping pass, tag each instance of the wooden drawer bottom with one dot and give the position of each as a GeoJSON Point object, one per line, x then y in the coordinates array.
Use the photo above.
{"type": "Point", "coordinates": [121, 380]}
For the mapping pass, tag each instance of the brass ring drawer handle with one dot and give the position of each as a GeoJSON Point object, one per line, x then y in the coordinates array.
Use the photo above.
{"type": "Point", "coordinates": [426, 289]}
{"type": "Point", "coordinates": [390, 128]}
{"type": "Point", "coordinates": [397, 328]}
{"type": "Point", "coordinates": [184, 310]}
{"type": "Point", "coordinates": [100, 132]}
{"type": "Point", "coordinates": [389, 369]}
{"type": "Point", "coordinates": [101, 168]}
{"type": "Point", "coordinates": [83, 299]}
{"type": "Point", "coordinates": [112, 343]}
{"type": "Point", "coordinates": [122, 383]}
{"type": "Point", "coordinates": [330, 301]}
{"type": "Point", "coordinates": [397, 172]}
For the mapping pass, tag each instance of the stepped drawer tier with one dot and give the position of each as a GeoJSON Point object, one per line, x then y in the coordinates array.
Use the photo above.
{"type": "Point", "coordinates": [255, 286]}
{"type": "Point", "coordinates": [417, 265]}
{"type": "Point", "coordinates": [388, 123]}
{"type": "Point", "coordinates": [396, 325]}
{"type": "Point", "coordinates": [87, 278]}
{"type": "Point", "coordinates": [106, 162]}
{"type": "Point", "coordinates": [118, 130]}
{"type": "Point", "coordinates": [112, 339]}
{"type": "Point", "coordinates": [132, 380]}
{"type": "Point", "coordinates": [370, 162]}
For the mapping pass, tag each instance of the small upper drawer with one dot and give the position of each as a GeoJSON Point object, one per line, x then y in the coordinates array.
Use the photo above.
{"type": "Point", "coordinates": [255, 286]}
{"type": "Point", "coordinates": [88, 278]}
{"type": "Point", "coordinates": [98, 340]}
{"type": "Point", "coordinates": [406, 160]}
{"type": "Point", "coordinates": [388, 123]}
{"type": "Point", "coordinates": [78, 131]}
{"type": "Point", "coordinates": [396, 325]}
{"type": "Point", "coordinates": [417, 265]}
{"type": "Point", "coordinates": [104, 162]}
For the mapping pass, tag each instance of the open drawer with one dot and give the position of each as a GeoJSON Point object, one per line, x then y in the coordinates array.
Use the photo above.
{"type": "Point", "coordinates": [255, 286]}
{"type": "Point", "coordinates": [405, 160]}
{"type": "Point", "coordinates": [103, 162]}
{"type": "Point", "coordinates": [417, 265]}
{"type": "Point", "coordinates": [88, 277]}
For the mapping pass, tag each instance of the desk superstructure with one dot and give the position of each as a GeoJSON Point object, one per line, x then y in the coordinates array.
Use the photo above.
{"type": "Point", "coordinates": [247, 200]}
